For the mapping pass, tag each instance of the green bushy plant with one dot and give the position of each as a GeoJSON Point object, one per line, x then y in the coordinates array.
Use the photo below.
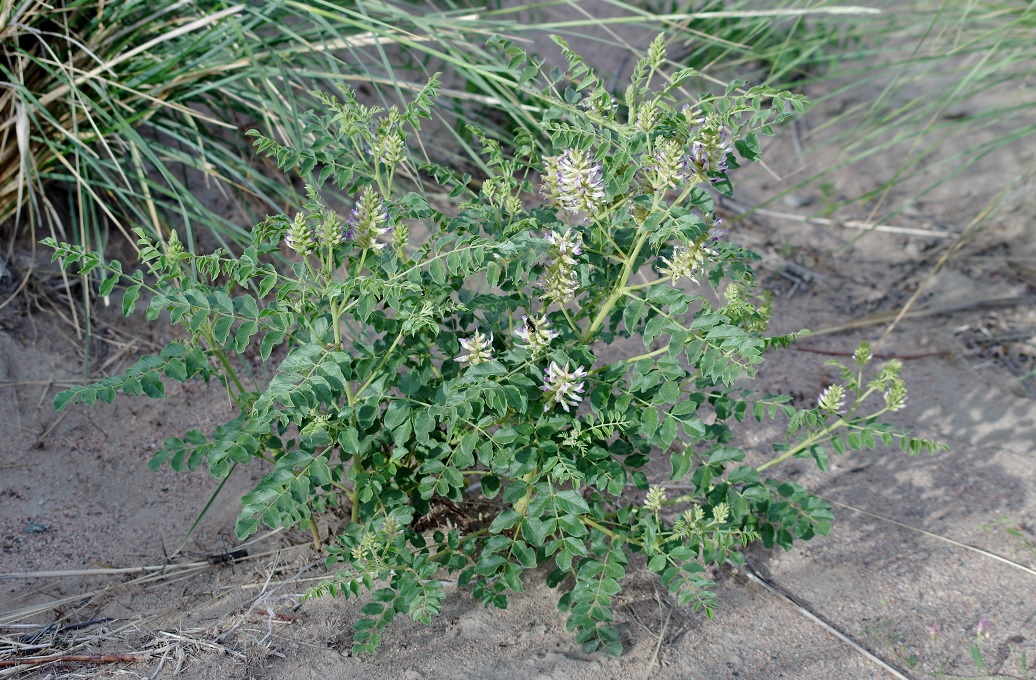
{"type": "Point", "coordinates": [492, 359]}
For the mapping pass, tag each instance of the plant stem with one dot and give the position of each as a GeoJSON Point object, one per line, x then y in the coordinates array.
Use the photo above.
{"type": "Point", "coordinates": [649, 355]}
{"type": "Point", "coordinates": [522, 506]}
{"type": "Point", "coordinates": [314, 531]}
{"type": "Point", "coordinates": [613, 535]}
{"type": "Point", "coordinates": [616, 294]}
{"type": "Point", "coordinates": [620, 287]}
{"type": "Point", "coordinates": [354, 511]}
{"type": "Point", "coordinates": [377, 371]}
{"type": "Point", "coordinates": [336, 314]}
{"type": "Point", "coordinates": [225, 363]}
{"type": "Point", "coordinates": [818, 436]}
{"type": "Point", "coordinates": [640, 286]}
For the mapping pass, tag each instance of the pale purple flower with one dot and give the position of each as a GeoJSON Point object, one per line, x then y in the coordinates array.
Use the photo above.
{"type": "Point", "coordinates": [712, 224]}
{"type": "Point", "coordinates": [479, 348]}
{"type": "Point", "coordinates": [562, 386]}
{"type": "Point", "coordinates": [560, 285]}
{"type": "Point", "coordinates": [983, 627]}
{"type": "Point", "coordinates": [687, 262]}
{"type": "Point", "coordinates": [711, 141]}
{"type": "Point", "coordinates": [536, 333]}
{"type": "Point", "coordinates": [565, 247]}
{"type": "Point", "coordinates": [574, 182]}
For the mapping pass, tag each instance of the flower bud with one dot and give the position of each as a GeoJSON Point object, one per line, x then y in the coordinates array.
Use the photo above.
{"type": "Point", "coordinates": [368, 220]}
{"type": "Point", "coordinates": [832, 400]}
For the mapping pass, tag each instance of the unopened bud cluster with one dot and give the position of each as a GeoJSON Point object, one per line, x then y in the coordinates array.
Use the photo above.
{"type": "Point", "coordinates": [832, 400]}
{"type": "Point", "coordinates": [648, 115]}
{"type": "Point", "coordinates": [387, 145]}
{"type": "Point", "coordinates": [498, 193]}
{"type": "Point", "coordinates": [656, 497]}
{"type": "Point", "coordinates": [368, 220]}
{"type": "Point", "coordinates": [300, 237]}
{"type": "Point", "coordinates": [667, 168]}
{"type": "Point", "coordinates": [322, 228]}
{"type": "Point", "coordinates": [560, 281]}
{"type": "Point", "coordinates": [893, 388]}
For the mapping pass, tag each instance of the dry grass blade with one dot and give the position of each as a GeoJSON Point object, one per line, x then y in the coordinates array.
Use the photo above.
{"type": "Point", "coordinates": [88, 85]}
{"type": "Point", "coordinates": [938, 537]}
{"type": "Point", "coordinates": [886, 317]}
{"type": "Point", "coordinates": [149, 575]}
{"type": "Point", "coordinates": [165, 568]}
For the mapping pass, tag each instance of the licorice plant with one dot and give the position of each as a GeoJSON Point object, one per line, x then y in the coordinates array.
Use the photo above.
{"type": "Point", "coordinates": [493, 360]}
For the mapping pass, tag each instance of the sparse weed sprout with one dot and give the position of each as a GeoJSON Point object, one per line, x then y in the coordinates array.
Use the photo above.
{"type": "Point", "coordinates": [496, 361]}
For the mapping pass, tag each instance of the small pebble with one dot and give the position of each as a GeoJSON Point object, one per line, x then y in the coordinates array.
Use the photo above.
{"type": "Point", "coordinates": [795, 201]}
{"type": "Point", "coordinates": [35, 528]}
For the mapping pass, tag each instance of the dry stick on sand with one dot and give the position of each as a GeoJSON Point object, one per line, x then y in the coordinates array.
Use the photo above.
{"type": "Point", "coordinates": [661, 637]}
{"type": "Point", "coordinates": [17, 666]}
{"type": "Point", "coordinates": [991, 207]}
{"type": "Point", "coordinates": [752, 576]}
{"type": "Point", "coordinates": [758, 580]}
{"type": "Point", "coordinates": [78, 658]}
{"type": "Point", "coordinates": [884, 317]}
{"type": "Point", "coordinates": [859, 225]}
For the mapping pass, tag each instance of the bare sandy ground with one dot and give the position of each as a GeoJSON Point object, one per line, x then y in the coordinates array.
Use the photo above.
{"type": "Point", "coordinates": [922, 550]}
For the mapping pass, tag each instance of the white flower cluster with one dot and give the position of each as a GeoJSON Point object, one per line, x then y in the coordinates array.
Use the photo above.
{"type": "Point", "coordinates": [574, 182]}
{"type": "Point", "coordinates": [562, 386]}
{"type": "Point", "coordinates": [536, 333]}
{"type": "Point", "coordinates": [479, 348]}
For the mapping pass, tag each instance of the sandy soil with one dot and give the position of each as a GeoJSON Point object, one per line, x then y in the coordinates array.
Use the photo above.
{"type": "Point", "coordinates": [921, 552]}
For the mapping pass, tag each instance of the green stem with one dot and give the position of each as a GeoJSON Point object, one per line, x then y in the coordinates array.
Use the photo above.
{"type": "Point", "coordinates": [616, 295]}
{"type": "Point", "coordinates": [314, 531]}
{"type": "Point", "coordinates": [814, 438]}
{"type": "Point", "coordinates": [650, 355]}
{"type": "Point", "coordinates": [639, 286]}
{"type": "Point", "coordinates": [605, 530]}
{"type": "Point", "coordinates": [568, 317]}
{"type": "Point", "coordinates": [225, 363]}
{"type": "Point", "coordinates": [354, 512]}
{"type": "Point", "coordinates": [522, 506]}
{"type": "Point", "coordinates": [620, 287]}
{"type": "Point", "coordinates": [377, 371]}
{"type": "Point", "coordinates": [336, 314]}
